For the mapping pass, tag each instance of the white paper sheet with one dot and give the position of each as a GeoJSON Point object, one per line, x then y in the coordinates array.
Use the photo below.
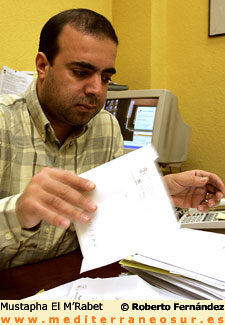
{"type": "Point", "coordinates": [126, 287]}
{"type": "Point", "coordinates": [196, 253]}
{"type": "Point", "coordinates": [132, 205]}
{"type": "Point", "coordinates": [13, 82]}
{"type": "Point", "coordinates": [119, 288]}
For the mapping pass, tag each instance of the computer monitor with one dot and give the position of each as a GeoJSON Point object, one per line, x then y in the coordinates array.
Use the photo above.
{"type": "Point", "coordinates": [151, 117]}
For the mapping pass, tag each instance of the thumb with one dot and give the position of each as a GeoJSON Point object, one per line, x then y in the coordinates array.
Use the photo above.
{"type": "Point", "coordinates": [200, 181]}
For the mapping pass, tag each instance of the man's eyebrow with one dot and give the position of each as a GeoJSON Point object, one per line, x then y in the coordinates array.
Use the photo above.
{"type": "Point", "coordinates": [89, 66]}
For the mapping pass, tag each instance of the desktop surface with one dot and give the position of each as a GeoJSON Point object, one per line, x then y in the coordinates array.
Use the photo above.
{"type": "Point", "coordinates": [26, 280]}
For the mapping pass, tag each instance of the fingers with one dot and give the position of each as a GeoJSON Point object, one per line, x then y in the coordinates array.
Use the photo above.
{"type": "Point", "coordinates": [213, 180]}
{"type": "Point", "coordinates": [69, 178]}
{"type": "Point", "coordinates": [56, 196]}
{"type": "Point", "coordinates": [214, 191]}
{"type": "Point", "coordinates": [203, 207]}
{"type": "Point", "coordinates": [211, 200]}
{"type": "Point", "coordinates": [59, 192]}
{"type": "Point", "coordinates": [200, 178]}
{"type": "Point", "coordinates": [75, 211]}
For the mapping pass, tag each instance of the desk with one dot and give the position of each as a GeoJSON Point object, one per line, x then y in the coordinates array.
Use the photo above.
{"type": "Point", "coordinates": [26, 280]}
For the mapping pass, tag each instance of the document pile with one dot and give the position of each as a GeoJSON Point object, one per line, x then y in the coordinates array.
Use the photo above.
{"type": "Point", "coordinates": [193, 267]}
{"type": "Point", "coordinates": [135, 218]}
{"type": "Point", "coordinates": [124, 287]}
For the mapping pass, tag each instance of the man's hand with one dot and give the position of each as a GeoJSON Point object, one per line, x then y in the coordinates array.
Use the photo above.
{"type": "Point", "coordinates": [195, 189]}
{"type": "Point", "coordinates": [55, 196]}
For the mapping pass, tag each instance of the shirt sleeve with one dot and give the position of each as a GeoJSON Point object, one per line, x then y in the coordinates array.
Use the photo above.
{"type": "Point", "coordinates": [118, 145]}
{"type": "Point", "coordinates": [10, 228]}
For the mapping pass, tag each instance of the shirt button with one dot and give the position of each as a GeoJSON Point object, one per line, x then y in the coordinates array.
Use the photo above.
{"type": "Point", "coordinates": [47, 230]}
{"type": "Point", "coordinates": [8, 236]}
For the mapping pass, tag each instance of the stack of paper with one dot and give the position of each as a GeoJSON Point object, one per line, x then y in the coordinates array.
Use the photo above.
{"type": "Point", "coordinates": [135, 217]}
{"type": "Point", "coordinates": [194, 265]}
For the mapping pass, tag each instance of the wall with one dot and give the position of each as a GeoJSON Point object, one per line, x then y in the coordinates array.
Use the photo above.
{"type": "Point", "coordinates": [195, 72]}
{"type": "Point", "coordinates": [133, 25]}
{"type": "Point", "coordinates": [166, 45]}
{"type": "Point", "coordinates": [21, 22]}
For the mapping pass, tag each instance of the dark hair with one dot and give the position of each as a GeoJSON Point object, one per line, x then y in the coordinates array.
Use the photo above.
{"type": "Point", "coordinates": [84, 20]}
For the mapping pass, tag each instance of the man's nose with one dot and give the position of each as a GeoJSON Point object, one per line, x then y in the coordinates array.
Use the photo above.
{"type": "Point", "coordinates": [95, 86]}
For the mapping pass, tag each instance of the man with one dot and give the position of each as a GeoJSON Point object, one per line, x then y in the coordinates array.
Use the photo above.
{"type": "Point", "coordinates": [56, 131]}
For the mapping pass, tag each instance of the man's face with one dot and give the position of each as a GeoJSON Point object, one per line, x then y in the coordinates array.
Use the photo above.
{"type": "Point", "coordinates": [73, 90]}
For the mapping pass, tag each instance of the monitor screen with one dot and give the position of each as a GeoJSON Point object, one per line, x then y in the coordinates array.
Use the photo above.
{"type": "Point", "coordinates": [150, 117]}
{"type": "Point", "coordinates": [136, 117]}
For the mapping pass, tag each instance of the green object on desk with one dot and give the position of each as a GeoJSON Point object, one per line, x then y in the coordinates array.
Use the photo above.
{"type": "Point", "coordinates": [220, 216]}
{"type": "Point", "coordinates": [42, 290]}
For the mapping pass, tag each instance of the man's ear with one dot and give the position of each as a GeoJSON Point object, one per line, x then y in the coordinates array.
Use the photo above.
{"type": "Point", "coordinates": [42, 65]}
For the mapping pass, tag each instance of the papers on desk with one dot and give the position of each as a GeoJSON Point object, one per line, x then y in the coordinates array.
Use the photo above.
{"type": "Point", "coordinates": [119, 288]}
{"type": "Point", "coordinates": [13, 82]}
{"type": "Point", "coordinates": [135, 217]}
{"type": "Point", "coordinates": [194, 265]}
{"type": "Point", "coordinates": [126, 287]}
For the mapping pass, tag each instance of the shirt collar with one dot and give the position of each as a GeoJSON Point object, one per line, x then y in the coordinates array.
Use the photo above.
{"type": "Point", "coordinates": [36, 112]}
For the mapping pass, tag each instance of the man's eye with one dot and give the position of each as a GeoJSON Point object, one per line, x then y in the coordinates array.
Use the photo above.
{"type": "Point", "coordinates": [106, 79]}
{"type": "Point", "coordinates": [80, 73]}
